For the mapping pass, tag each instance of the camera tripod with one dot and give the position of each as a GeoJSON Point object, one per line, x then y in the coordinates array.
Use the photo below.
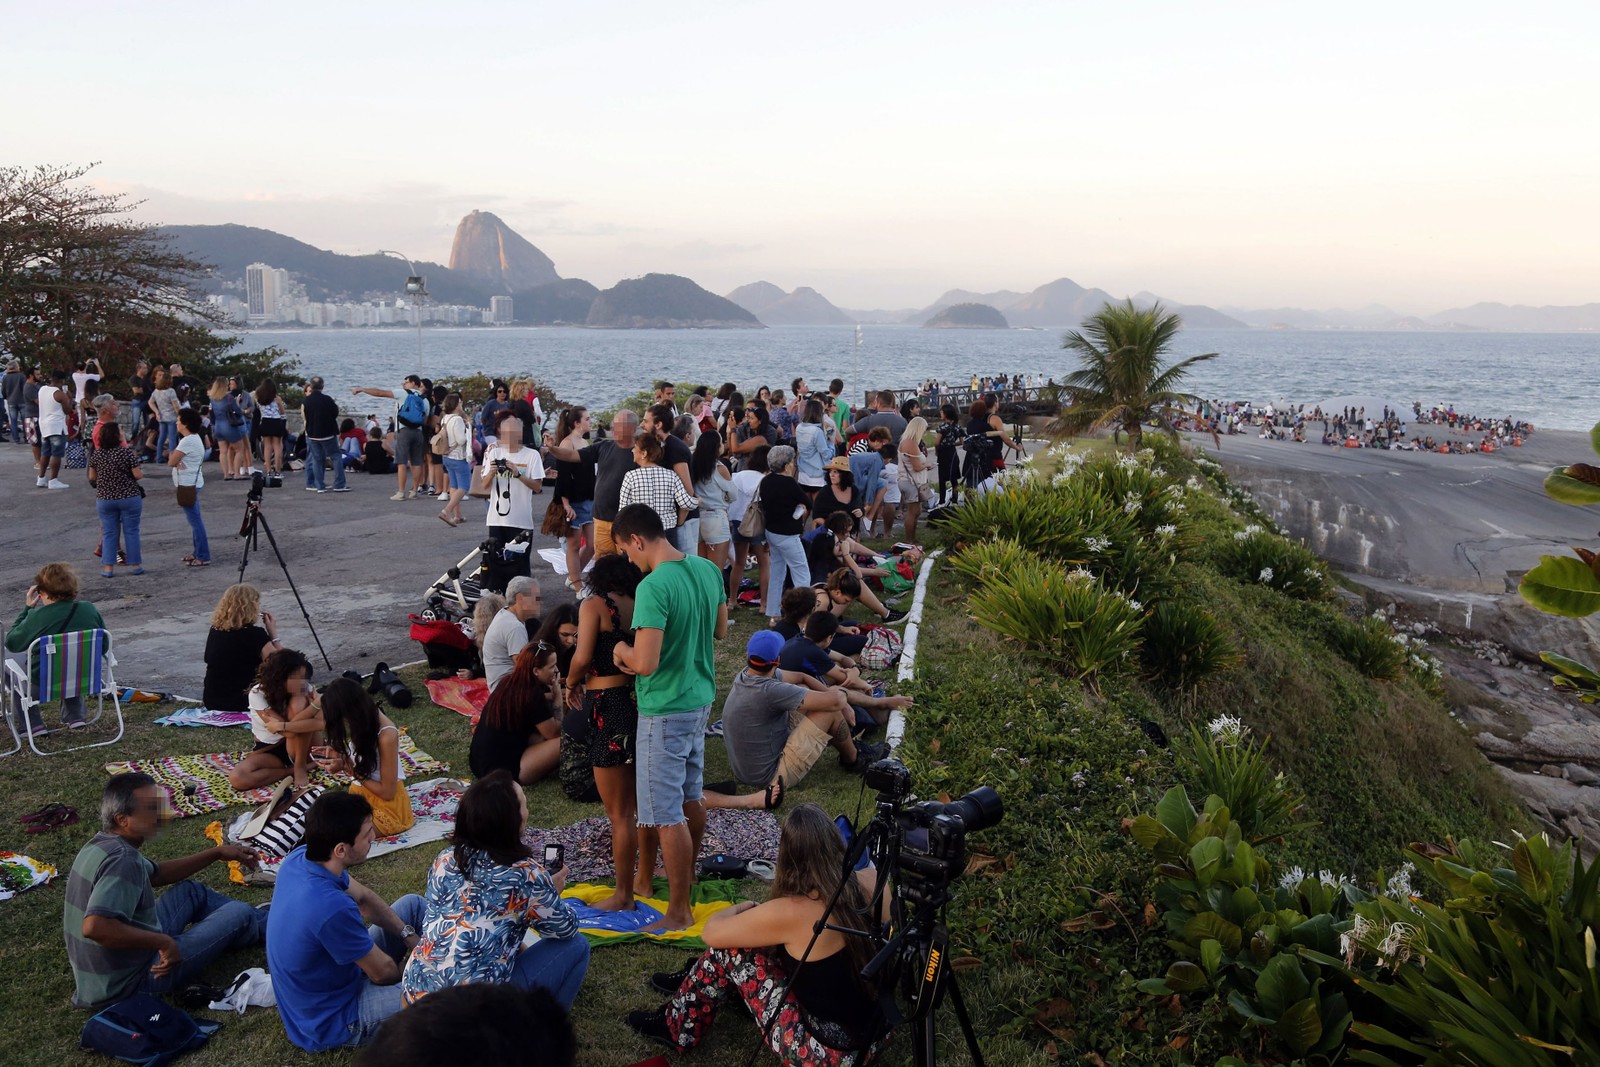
{"type": "Point", "coordinates": [255, 522]}
{"type": "Point", "coordinates": [917, 952]}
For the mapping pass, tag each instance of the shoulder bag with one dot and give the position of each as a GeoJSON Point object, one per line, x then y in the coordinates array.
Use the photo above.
{"type": "Point", "coordinates": [754, 523]}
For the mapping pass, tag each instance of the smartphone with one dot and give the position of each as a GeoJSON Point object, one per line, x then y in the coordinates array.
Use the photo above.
{"type": "Point", "coordinates": [552, 856]}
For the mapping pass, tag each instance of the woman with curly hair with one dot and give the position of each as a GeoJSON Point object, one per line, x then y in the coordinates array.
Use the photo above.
{"type": "Point", "coordinates": [599, 687]}
{"type": "Point", "coordinates": [286, 720]}
{"type": "Point", "coordinates": [365, 745]}
{"type": "Point", "coordinates": [242, 636]}
{"type": "Point", "coordinates": [829, 1015]}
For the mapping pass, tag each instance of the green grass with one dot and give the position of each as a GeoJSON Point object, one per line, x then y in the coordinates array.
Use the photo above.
{"type": "Point", "coordinates": [36, 984]}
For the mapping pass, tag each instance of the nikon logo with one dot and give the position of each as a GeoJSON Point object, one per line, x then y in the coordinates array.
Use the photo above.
{"type": "Point", "coordinates": [934, 955]}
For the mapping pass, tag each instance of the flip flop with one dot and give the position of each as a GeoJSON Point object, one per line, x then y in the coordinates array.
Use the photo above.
{"type": "Point", "coordinates": [198, 563]}
{"type": "Point", "coordinates": [762, 869]}
{"type": "Point", "coordinates": [41, 814]}
{"type": "Point", "coordinates": [63, 816]}
{"type": "Point", "coordinates": [108, 574]}
{"type": "Point", "coordinates": [774, 795]}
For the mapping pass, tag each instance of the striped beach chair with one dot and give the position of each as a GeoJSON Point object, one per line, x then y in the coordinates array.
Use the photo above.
{"type": "Point", "coordinates": [76, 664]}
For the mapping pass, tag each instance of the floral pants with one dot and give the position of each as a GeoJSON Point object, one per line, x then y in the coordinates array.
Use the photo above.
{"type": "Point", "coordinates": [759, 979]}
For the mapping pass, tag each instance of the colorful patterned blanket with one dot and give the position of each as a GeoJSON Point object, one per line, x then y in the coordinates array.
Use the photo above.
{"type": "Point", "coordinates": [464, 696]}
{"type": "Point", "coordinates": [613, 927]}
{"type": "Point", "coordinates": [204, 717]}
{"type": "Point", "coordinates": [196, 785]}
{"type": "Point", "coordinates": [586, 844]}
{"type": "Point", "coordinates": [19, 873]}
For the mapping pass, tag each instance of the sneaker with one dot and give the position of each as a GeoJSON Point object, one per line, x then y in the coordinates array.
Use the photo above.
{"type": "Point", "coordinates": [651, 1025]}
{"type": "Point", "coordinates": [56, 483]}
{"type": "Point", "coordinates": [895, 616]}
{"type": "Point", "coordinates": [410, 495]}
{"type": "Point", "coordinates": [75, 724]}
{"type": "Point", "coordinates": [714, 729]}
{"type": "Point", "coordinates": [42, 482]}
{"type": "Point", "coordinates": [398, 496]}
{"type": "Point", "coordinates": [313, 489]}
{"type": "Point", "coordinates": [340, 489]}
{"type": "Point", "coordinates": [444, 495]}
{"type": "Point", "coordinates": [322, 490]}
{"type": "Point", "coordinates": [669, 982]}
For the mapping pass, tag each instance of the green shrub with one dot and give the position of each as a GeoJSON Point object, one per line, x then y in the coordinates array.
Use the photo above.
{"type": "Point", "coordinates": [1255, 555]}
{"type": "Point", "coordinates": [987, 558]}
{"type": "Point", "coordinates": [1502, 974]}
{"type": "Point", "coordinates": [1369, 646]}
{"type": "Point", "coordinates": [1228, 764]}
{"type": "Point", "coordinates": [1183, 644]}
{"type": "Point", "coordinates": [1065, 618]}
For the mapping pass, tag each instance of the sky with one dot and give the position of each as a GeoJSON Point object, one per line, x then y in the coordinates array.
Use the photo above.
{"type": "Point", "coordinates": [1421, 155]}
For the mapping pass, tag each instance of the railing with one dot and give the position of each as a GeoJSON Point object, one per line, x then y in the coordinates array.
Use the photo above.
{"type": "Point", "coordinates": [1042, 397]}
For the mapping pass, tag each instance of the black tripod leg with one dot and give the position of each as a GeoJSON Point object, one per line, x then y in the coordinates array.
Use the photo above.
{"type": "Point", "coordinates": [261, 521]}
{"type": "Point", "coordinates": [964, 1020]}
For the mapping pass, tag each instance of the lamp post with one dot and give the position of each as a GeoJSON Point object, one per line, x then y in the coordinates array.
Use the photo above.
{"type": "Point", "coordinates": [417, 290]}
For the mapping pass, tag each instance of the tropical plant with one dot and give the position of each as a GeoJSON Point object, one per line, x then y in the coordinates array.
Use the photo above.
{"type": "Point", "coordinates": [1228, 764]}
{"type": "Point", "coordinates": [1125, 380]}
{"type": "Point", "coordinates": [1184, 644]}
{"type": "Point", "coordinates": [1368, 645]}
{"type": "Point", "coordinates": [1239, 933]}
{"type": "Point", "coordinates": [1564, 586]}
{"type": "Point", "coordinates": [1579, 677]}
{"type": "Point", "coordinates": [1253, 555]}
{"type": "Point", "coordinates": [1502, 974]}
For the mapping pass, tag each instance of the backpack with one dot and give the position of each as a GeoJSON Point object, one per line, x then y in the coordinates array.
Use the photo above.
{"type": "Point", "coordinates": [883, 647]}
{"type": "Point", "coordinates": [413, 410]}
{"type": "Point", "coordinates": [144, 1030]}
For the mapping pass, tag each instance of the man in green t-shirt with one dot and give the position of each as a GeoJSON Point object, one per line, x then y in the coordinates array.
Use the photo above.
{"type": "Point", "coordinates": [679, 611]}
{"type": "Point", "coordinates": [121, 940]}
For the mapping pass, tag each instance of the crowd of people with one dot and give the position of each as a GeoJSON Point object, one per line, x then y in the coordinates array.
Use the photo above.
{"type": "Point", "coordinates": [1352, 427]}
{"type": "Point", "coordinates": [614, 696]}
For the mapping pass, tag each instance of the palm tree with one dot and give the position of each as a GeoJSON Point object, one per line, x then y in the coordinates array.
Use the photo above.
{"type": "Point", "coordinates": [1125, 381]}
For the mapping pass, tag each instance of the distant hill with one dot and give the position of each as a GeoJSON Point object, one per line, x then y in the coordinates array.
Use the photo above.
{"type": "Point", "coordinates": [566, 302]}
{"type": "Point", "coordinates": [774, 307]}
{"type": "Point", "coordinates": [883, 316]}
{"type": "Point", "coordinates": [665, 301]}
{"type": "Point", "coordinates": [1195, 316]}
{"type": "Point", "coordinates": [326, 275]}
{"type": "Point", "coordinates": [1521, 318]}
{"type": "Point", "coordinates": [1060, 303]}
{"type": "Point", "coordinates": [970, 316]}
{"type": "Point", "coordinates": [1371, 317]}
{"type": "Point", "coordinates": [998, 299]}
{"type": "Point", "coordinates": [485, 247]}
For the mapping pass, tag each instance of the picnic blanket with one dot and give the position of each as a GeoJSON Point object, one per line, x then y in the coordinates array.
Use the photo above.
{"type": "Point", "coordinates": [196, 785]}
{"type": "Point", "coordinates": [19, 873]}
{"type": "Point", "coordinates": [464, 696]}
{"type": "Point", "coordinates": [586, 844]}
{"type": "Point", "coordinates": [204, 717]}
{"type": "Point", "coordinates": [433, 803]}
{"type": "Point", "coordinates": [614, 927]}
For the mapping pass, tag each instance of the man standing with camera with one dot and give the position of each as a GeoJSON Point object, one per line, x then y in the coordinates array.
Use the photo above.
{"type": "Point", "coordinates": [511, 474]}
{"type": "Point", "coordinates": [410, 444]}
{"type": "Point", "coordinates": [322, 438]}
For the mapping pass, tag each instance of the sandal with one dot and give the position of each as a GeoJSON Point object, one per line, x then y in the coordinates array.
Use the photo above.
{"type": "Point", "coordinates": [61, 816]}
{"type": "Point", "coordinates": [41, 814]}
{"type": "Point", "coordinates": [108, 574]}
{"type": "Point", "coordinates": [452, 523]}
{"type": "Point", "coordinates": [774, 795]}
{"type": "Point", "coordinates": [198, 563]}
{"type": "Point", "coordinates": [187, 559]}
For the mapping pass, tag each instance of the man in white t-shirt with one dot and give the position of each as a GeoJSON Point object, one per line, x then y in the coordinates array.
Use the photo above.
{"type": "Point", "coordinates": [54, 403]}
{"type": "Point", "coordinates": [511, 476]}
{"type": "Point", "coordinates": [508, 630]}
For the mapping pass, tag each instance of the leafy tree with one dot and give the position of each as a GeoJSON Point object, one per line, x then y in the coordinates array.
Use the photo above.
{"type": "Point", "coordinates": [1125, 380]}
{"type": "Point", "coordinates": [79, 278]}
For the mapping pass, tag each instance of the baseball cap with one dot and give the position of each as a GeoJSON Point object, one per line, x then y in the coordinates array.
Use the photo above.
{"type": "Point", "coordinates": [764, 647]}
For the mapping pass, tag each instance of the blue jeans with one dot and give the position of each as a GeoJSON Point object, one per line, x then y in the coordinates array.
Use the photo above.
{"type": "Point", "coordinates": [378, 1002]}
{"type": "Point", "coordinates": [120, 517]}
{"type": "Point", "coordinates": [14, 416]}
{"type": "Point", "coordinates": [669, 765]}
{"type": "Point", "coordinates": [166, 439]}
{"type": "Point", "coordinates": [205, 924]}
{"type": "Point", "coordinates": [788, 555]}
{"type": "Point", "coordinates": [319, 452]}
{"type": "Point", "coordinates": [557, 965]}
{"type": "Point", "coordinates": [202, 547]}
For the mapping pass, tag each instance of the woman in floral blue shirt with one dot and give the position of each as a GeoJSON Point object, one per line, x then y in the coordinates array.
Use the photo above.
{"type": "Point", "coordinates": [483, 895]}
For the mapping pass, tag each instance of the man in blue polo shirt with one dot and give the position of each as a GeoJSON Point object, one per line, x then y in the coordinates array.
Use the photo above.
{"type": "Point", "coordinates": [336, 981]}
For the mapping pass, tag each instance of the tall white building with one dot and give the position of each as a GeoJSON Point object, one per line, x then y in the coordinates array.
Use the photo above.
{"type": "Point", "coordinates": [261, 286]}
{"type": "Point", "coordinates": [500, 310]}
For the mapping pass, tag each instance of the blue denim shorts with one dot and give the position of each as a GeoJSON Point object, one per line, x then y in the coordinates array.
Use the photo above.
{"type": "Point", "coordinates": [54, 445]}
{"type": "Point", "coordinates": [669, 764]}
{"type": "Point", "coordinates": [459, 471]}
{"type": "Point", "coordinates": [583, 512]}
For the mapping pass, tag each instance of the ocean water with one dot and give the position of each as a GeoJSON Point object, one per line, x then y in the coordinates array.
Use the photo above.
{"type": "Point", "coordinates": [1548, 379]}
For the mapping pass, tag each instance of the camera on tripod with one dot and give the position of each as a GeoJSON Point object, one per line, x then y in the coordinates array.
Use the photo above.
{"type": "Point", "coordinates": [931, 835]}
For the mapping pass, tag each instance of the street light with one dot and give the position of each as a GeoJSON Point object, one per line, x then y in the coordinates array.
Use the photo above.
{"type": "Point", "coordinates": [417, 289]}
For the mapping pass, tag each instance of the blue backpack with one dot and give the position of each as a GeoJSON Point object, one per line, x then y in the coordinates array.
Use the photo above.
{"type": "Point", "coordinates": [413, 410]}
{"type": "Point", "coordinates": [145, 1030]}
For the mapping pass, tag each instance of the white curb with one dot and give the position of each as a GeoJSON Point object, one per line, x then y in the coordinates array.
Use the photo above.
{"type": "Point", "coordinates": [908, 656]}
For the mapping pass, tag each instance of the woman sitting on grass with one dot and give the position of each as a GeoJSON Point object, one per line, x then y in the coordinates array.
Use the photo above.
{"type": "Point", "coordinates": [365, 745]}
{"type": "Point", "coordinates": [286, 721]}
{"type": "Point", "coordinates": [520, 729]}
{"type": "Point", "coordinates": [830, 1015]}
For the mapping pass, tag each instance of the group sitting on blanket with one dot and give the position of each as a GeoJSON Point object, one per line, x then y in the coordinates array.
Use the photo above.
{"type": "Point", "coordinates": [343, 961]}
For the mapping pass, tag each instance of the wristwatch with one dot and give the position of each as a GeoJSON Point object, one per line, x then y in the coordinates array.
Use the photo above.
{"type": "Point", "coordinates": [407, 931]}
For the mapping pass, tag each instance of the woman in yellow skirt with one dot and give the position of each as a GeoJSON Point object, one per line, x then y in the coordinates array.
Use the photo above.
{"type": "Point", "coordinates": [365, 745]}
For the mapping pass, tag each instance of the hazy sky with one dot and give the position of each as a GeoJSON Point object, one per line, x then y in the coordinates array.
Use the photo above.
{"type": "Point", "coordinates": [1420, 154]}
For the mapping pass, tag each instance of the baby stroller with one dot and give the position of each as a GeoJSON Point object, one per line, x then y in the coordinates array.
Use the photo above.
{"type": "Point", "coordinates": [488, 567]}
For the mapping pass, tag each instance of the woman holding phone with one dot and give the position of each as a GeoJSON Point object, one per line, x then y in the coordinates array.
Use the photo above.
{"type": "Point", "coordinates": [365, 745]}
{"type": "Point", "coordinates": [483, 895]}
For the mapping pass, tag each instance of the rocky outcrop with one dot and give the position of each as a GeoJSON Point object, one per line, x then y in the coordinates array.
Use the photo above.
{"type": "Point", "coordinates": [803, 307]}
{"type": "Point", "coordinates": [968, 317]}
{"type": "Point", "coordinates": [566, 302]}
{"type": "Point", "coordinates": [487, 248]}
{"type": "Point", "coordinates": [665, 302]}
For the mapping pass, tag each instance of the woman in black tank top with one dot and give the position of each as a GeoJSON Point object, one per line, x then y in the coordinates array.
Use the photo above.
{"type": "Point", "coordinates": [829, 1017]}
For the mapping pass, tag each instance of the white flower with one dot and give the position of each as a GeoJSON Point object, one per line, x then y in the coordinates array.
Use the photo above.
{"type": "Point", "coordinates": [1166, 531]}
{"type": "Point", "coordinates": [1331, 880]}
{"type": "Point", "coordinates": [1253, 528]}
{"type": "Point", "coordinates": [1131, 504]}
{"type": "Point", "coordinates": [1134, 604]}
{"type": "Point", "coordinates": [1395, 948]}
{"type": "Point", "coordinates": [1265, 575]}
{"type": "Point", "coordinates": [1078, 574]}
{"type": "Point", "coordinates": [1228, 729]}
{"type": "Point", "coordinates": [1399, 884]}
{"type": "Point", "coordinates": [1291, 879]}
{"type": "Point", "coordinates": [1351, 940]}
{"type": "Point", "coordinates": [1097, 544]}
{"type": "Point", "coordinates": [1079, 780]}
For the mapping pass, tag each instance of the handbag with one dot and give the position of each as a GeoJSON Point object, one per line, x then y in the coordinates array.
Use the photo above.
{"type": "Point", "coordinates": [754, 523]}
{"type": "Point", "coordinates": [556, 523]}
{"type": "Point", "coordinates": [441, 442]}
{"type": "Point", "coordinates": [275, 833]}
{"type": "Point", "coordinates": [186, 495]}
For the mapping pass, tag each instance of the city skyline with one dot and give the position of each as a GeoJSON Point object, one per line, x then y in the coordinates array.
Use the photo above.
{"type": "Point", "coordinates": [1254, 156]}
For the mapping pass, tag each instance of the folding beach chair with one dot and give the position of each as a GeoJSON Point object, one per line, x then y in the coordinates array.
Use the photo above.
{"type": "Point", "coordinates": [54, 668]}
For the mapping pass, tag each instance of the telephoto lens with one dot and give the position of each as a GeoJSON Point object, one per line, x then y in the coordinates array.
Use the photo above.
{"type": "Point", "coordinates": [388, 684]}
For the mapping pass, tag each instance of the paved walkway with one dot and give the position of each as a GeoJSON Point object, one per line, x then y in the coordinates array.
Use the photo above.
{"type": "Point", "coordinates": [360, 561]}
